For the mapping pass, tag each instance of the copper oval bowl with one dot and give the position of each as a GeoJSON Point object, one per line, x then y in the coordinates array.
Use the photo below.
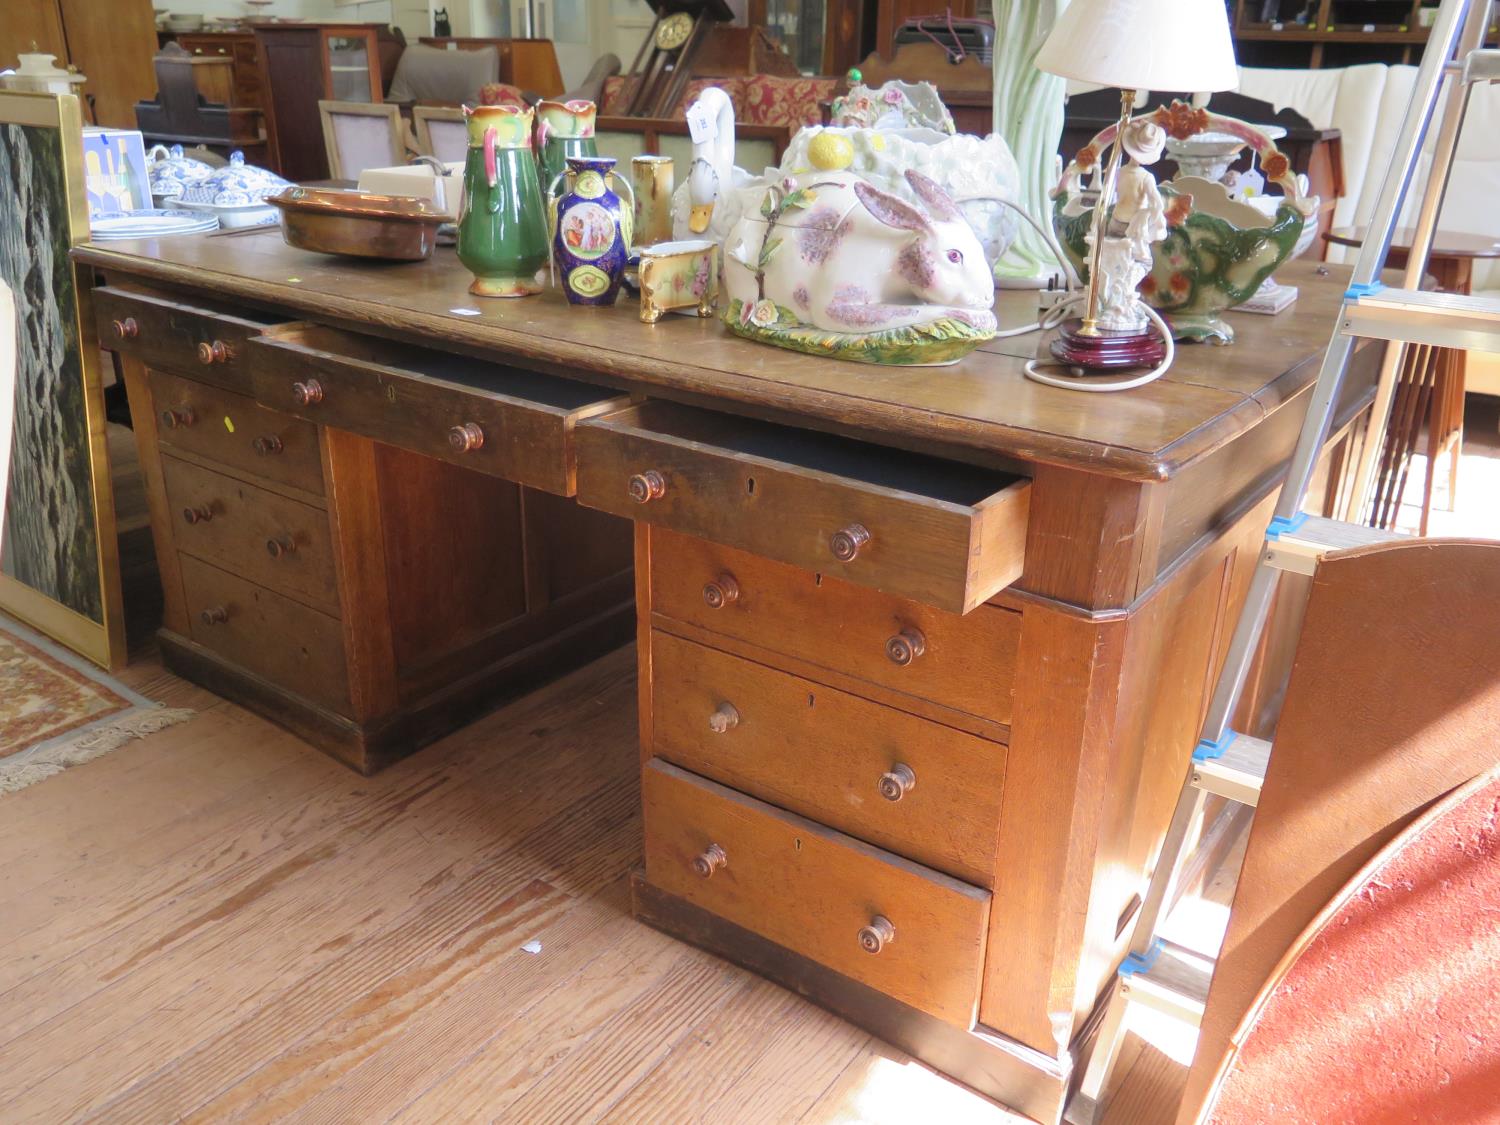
{"type": "Point", "coordinates": [358, 224]}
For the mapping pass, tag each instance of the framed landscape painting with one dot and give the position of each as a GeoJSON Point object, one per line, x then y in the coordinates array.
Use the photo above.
{"type": "Point", "coordinates": [59, 569]}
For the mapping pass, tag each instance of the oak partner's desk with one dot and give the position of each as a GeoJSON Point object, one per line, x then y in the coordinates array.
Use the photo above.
{"type": "Point", "coordinates": [936, 822]}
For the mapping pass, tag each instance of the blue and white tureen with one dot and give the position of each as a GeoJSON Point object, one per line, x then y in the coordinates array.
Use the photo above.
{"type": "Point", "coordinates": [236, 193]}
{"type": "Point", "coordinates": [171, 173]}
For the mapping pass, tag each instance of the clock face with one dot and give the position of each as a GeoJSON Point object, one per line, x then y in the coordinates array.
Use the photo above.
{"type": "Point", "coordinates": [673, 31]}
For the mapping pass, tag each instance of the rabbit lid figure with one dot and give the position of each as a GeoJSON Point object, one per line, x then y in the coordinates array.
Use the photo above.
{"type": "Point", "coordinates": [833, 266]}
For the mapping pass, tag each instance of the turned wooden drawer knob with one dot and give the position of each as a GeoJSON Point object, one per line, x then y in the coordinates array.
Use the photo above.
{"type": "Point", "coordinates": [845, 544]}
{"type": "Point", "coordinates": [897, 781]}
{"type": "Point", "coordinates": [216, 352]}
{"type": "Point", "coordinates": [466, 438]}
{"type": "Point", "coordinates": [877, 935]}
{"type": "Point", "coordinates": [180, 416]}
{"type": "Point", "coordinates": [279, 546]}
{"type": "Point", "coordinates": [906, 646]}
{"type": "Point", "coordinates": [725, 719]}
{"type": "Point", "coordinates": [127, 329]}
{"type": "Point", "coordinates": [711, 860]}
{"type": "Point", "coordinates": [309, 393]}
{"type": "Point", "coordinates": [649, 485]}
{"type": "Point", "coordinates": [266, 446]}
{"type": "Point", "coordinates": [201, 514]}
{"type": "Point", "coordinates": [722, 591]}
{"type": "Point", "coordinates": [214, 615]}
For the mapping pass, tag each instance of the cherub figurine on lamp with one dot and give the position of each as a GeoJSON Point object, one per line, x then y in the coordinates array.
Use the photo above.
{"type": "Point", "coordinates": [1138, 220]}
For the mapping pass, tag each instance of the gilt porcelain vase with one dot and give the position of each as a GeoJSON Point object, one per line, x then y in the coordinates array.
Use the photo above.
{"type": "Point", "coordinates": [591, 228]}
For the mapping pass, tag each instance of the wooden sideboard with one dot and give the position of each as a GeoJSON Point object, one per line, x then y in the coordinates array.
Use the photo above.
{"type": "Point", "coordinates": [922, 652]}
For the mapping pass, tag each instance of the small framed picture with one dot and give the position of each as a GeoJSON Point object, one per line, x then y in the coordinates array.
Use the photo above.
{"type": "Point", "coordinates": [114, 169]}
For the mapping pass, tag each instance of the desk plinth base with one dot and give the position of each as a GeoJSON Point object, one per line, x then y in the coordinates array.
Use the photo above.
{"type": "Point", "coordinates": [372, 745]}
{"type": "Point", "coordinates": [1016, 1076]}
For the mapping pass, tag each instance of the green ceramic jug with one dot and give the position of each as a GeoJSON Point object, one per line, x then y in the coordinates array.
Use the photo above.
{"type": "Point", "coordinates": [563, 129]}
{"type": "Point", "coordinates": [502, 231]}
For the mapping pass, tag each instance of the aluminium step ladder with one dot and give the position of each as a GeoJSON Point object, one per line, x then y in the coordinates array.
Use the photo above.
{"type": "Point", "coordinates": [1155, 972]}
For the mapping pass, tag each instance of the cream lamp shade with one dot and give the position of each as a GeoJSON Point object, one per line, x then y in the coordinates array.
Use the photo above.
{"type": "Point", "coordinates": [1143, 45]}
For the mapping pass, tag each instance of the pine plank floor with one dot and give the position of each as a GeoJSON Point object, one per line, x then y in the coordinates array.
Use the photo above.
{"type": "Point", "coordinates": [217, 923]}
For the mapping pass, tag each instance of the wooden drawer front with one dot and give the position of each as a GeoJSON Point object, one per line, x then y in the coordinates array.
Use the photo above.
{"type": "Point", "coordinates": [234, 431]}
{"type": "Point", "coordinates": [946, 534]}
{"type": "Point", "coordinates": [817, 892]}
{"type": "Point", "coordinates": [923, 790]}
{"type": "Point", "coordinates": [965, 662]}
{"type": "Point", "coordinates": [480, 415]}
{"type": "Point", "coordinates": [208, 345]}
{"type": "Point", "coordinates": [285, 642]}
{"type": "Point", "coordinates": [257, 534]}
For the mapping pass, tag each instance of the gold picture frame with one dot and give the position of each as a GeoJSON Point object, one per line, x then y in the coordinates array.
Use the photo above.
{"type": "Point", "coordinates": [80, 563]}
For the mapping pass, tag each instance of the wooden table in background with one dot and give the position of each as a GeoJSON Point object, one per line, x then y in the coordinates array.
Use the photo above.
{"type": "Point", "coordinates": [922, 652]}
{"type": "Point", "coordinates": [1430, 389]}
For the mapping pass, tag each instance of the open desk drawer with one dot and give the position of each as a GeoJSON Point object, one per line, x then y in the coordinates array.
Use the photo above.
{"type": "Point", "coordinates": [486, 416]}
{"type": "Point", "coordinates": [940, 532]}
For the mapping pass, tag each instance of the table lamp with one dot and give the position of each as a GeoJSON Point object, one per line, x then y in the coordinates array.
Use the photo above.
{"type": "Point", "coordinates": [1135, 45]}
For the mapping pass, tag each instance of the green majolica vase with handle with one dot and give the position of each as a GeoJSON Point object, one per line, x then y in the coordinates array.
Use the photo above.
{"type": "Point", "coordinates": [564, 129]}
{"type": "Point", "coordinates": [502, 231]}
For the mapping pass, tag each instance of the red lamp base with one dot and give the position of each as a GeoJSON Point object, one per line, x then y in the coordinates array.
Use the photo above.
{"type": "Point", "coordinates": [1111, 350]}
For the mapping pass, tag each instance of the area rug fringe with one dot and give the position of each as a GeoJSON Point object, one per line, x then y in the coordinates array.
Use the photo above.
{"type": "Point", "coordinates": [28, 769]}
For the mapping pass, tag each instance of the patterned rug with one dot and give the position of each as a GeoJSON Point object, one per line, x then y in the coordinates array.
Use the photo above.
{"type": "Point", "coordinates": [57, 711]}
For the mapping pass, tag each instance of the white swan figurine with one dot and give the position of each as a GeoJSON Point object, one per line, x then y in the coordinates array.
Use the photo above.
{"type": "Point", "coordinates": [706, 205]}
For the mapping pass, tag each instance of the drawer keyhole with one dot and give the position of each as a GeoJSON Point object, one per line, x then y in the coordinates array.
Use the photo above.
{"type": "Point", "coordinates": [897, 781]}
{"type": "Point", "coordinates": [877, 935]}
{"type": "Point", "coordinates": [711, 860]}
{"type": "Point", "coordinates": [906, 646]}
{"type": "Point", "coordinates": [722, 591]}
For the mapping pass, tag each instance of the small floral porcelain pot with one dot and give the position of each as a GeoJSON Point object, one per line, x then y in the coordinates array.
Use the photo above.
{"type": "Point", "coordinates": [1218, 249]}
{"type": "Point", "coordinates": [171, 173]}
{"type": "Point", "coordinates": [679, 275]}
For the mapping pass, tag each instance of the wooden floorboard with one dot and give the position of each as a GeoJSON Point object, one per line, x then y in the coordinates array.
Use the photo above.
{"type": "Point", "coordinates": [217, 923]}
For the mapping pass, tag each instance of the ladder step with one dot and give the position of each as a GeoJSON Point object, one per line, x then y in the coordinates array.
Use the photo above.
{"type": "Point", "coordinates": [1482, 66]}
{"type": "Point", "coordinates": [1237, 773]}
{"type": "Point", "coordinates": [1170, 979]}
{"type": "Point", "coordinates": [1297, 551]}
{"type": "Point", "coordinates": [1449, 320]}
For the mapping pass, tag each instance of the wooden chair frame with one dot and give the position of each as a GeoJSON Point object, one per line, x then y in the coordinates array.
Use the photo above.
{"type": "Point", "coordinates": [327, 110]}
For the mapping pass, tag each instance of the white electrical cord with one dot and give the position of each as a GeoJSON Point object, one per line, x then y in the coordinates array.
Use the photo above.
{"type": "Point", "coordinates": [1054, 317]}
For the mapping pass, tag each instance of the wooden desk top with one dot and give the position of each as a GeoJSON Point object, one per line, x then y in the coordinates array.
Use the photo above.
{"type": "Point", "coordinates": [983, 409]}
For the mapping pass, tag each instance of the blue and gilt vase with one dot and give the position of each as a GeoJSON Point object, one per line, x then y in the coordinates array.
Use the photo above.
{"type": "Point", "coordinates": [591, 230]}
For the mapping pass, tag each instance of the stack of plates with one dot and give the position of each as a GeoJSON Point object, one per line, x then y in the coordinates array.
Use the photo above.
{"type": "Point", "coordinates": [151, 223]}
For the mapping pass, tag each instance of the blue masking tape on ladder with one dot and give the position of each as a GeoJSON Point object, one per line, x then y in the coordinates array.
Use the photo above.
{"type": "Point", "coordinates": [1141, 962]}
{"type": "Point", "coordinates": [1281, 525]}
{"type": "Point", "coordinates": [1366, 289]}
{"type": "Point", "coordinates": [1209, 748]}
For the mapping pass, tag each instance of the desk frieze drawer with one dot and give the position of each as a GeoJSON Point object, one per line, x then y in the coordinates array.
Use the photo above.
{"type": "Point", "coordinates": [943, 533]}
{"type": "Point", "coordinates": [292, 645]}
{"type": "Point", "coordinates": [911, 933]}
{"type": "Point", "coordinates": [915, 787]}
{"type": "Point", "coordinates": [161, 332]}
{"type": "Point", "coordinates": [474, 413]}
{"type": "Point", "coordinates": [267, 538]}
{"type": "Point", "coordinates": [236, 432]}
{"type": "Point", "coordinates": [964, 662]}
